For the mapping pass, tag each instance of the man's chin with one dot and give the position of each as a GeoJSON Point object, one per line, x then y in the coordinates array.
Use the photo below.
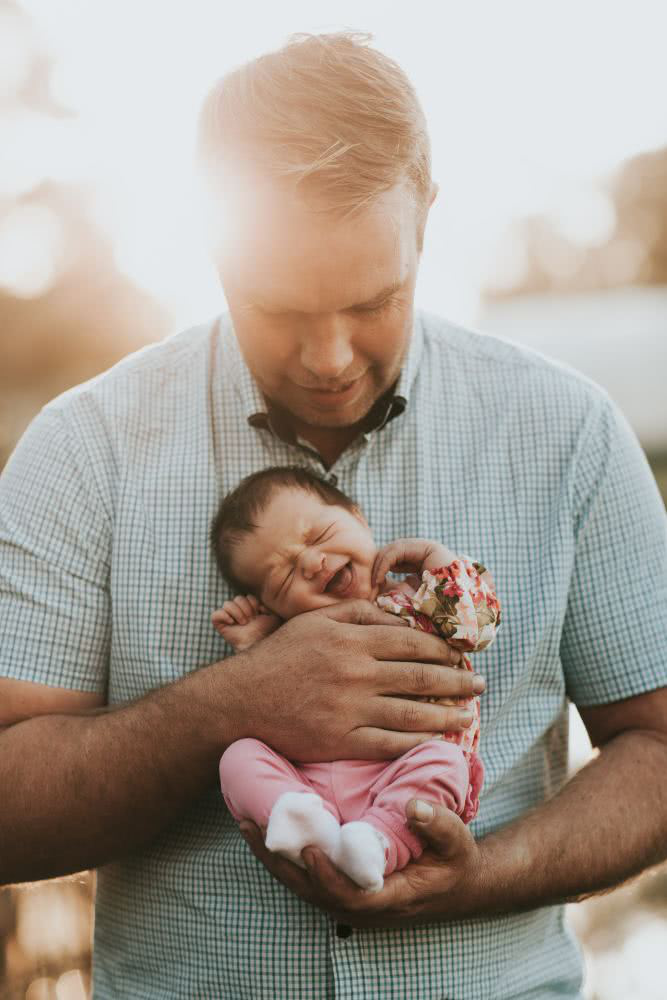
{"type": "Point", "coordinates": [331, 419]}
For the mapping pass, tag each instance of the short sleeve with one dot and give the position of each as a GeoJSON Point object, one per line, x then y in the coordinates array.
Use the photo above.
{"type": "Point", "coordinates": [614, 638]}
{"type": "Point", "coordinates": [55, 535]}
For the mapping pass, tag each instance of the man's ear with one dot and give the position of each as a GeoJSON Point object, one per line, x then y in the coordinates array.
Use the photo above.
{"type": "Point", "coordinates": [421, 226]}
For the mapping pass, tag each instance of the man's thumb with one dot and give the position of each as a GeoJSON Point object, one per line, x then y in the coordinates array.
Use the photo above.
{"type": "Point", "coordinates": [439, 827]}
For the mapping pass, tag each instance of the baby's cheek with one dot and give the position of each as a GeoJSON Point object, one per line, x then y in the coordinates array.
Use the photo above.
{"type": "Point", "coordinates": [300, 602]}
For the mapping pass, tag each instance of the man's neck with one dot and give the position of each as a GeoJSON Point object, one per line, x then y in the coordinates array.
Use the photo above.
{"type": "Point", "coordinates": [329, 442]}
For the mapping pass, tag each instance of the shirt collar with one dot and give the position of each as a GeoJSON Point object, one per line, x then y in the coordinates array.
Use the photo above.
{"type": "Point", "coordinates": [253, 403]}
{"type": "Point", "coordinates": [401, 397]}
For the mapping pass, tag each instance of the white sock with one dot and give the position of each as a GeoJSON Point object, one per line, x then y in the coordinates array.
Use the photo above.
{"type": "Point", "coordinates": [298, 820]}
{"type": "Point", "coordinates": [361, 855]}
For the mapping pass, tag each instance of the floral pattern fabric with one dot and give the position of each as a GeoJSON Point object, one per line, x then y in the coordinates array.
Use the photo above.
{"type": "Point", "coordinates": [459, 603]}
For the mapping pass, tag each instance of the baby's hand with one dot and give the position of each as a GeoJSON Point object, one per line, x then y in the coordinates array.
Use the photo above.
{"type": "Point", "coordinates": [243, 621]}
{"type": "Point", "coordinates": [409, 555]}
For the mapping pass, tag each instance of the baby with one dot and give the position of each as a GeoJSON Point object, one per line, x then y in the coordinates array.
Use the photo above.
{"type": "Point", "coordinates": [293, 543]}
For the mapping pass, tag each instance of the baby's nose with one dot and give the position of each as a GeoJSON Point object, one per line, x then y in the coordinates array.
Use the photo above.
{"type": "Point", "coordinates": [313, 563]}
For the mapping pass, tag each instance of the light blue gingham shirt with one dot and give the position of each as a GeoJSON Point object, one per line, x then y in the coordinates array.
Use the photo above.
{"type": "Point", "coordinates": [107, 584]}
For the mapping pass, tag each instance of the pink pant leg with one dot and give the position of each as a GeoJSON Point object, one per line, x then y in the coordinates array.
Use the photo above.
{"type": "Point", "coordinates": [253, 777]}
{"type": "Point", "coordinates": [437, 771]}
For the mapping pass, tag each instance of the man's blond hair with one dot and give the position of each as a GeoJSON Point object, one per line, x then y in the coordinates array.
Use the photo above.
{"type": "Point", "coordinates": [326, 114]}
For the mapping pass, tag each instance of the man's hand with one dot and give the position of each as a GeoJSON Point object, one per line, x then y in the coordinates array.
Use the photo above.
{"type": "Point", "coordinates": [338, 683]}
{"type": "Point", "coordinates": [441, 885]}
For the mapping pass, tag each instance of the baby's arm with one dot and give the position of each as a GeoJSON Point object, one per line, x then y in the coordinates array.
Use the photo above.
{"type": "Point", "coordinates": [243, 621]}
{"type": "Point", "coordinates": [454, 596]}
{"type": "Point", "coordinates": [410, 555]}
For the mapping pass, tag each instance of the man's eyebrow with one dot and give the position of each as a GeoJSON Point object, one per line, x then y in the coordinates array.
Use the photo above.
{"type": "Point", "coordinates": [261, 303]}
{"type": "Point", "coordinates": [384, 294]}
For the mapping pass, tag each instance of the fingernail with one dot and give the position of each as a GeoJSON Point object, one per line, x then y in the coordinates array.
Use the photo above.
{"type": "Point", "coordinates": [466, 718]}
{"type": "Point", "coordinates": [478, 684]}
{"type": "Point", "coordinates": [422, 811]}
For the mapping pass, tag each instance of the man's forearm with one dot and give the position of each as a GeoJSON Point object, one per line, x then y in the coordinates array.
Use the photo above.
{"type": "Point", "coordinates": [80, 790]}
{"type": "Point", "coordinates": [608, 823]}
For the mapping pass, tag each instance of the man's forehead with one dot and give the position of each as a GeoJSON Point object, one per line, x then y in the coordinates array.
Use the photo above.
{"type": "Point", "coordinates": [281, 255]}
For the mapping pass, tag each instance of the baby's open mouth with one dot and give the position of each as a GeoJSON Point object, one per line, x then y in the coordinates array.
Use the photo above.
{"type": "Point", "coordinates": [340, 581]}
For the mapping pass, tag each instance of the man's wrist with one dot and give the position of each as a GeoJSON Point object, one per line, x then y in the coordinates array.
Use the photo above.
{"type": "Point", "coordinates": [223, 701]}
{"type": "Point", "coordinates": [500, 876]}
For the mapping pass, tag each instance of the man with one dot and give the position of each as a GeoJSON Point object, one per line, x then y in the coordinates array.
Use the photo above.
{"type": "Point", "coordinates": [317, 160]}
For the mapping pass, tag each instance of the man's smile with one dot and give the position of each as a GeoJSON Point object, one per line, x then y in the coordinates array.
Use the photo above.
{"type": "Point", "coordinates": [333, 395]}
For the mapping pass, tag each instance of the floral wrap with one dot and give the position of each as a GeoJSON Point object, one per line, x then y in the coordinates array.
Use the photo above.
{"type": "Point", "coordinates": [457, 602]}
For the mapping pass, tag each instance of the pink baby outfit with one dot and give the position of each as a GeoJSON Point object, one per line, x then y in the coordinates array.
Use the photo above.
{"type": "Point", "coordinates": [457, 602]}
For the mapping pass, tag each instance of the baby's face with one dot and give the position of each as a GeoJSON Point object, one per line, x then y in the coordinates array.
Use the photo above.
{"type": "Point", "coordinates": [305, 555]}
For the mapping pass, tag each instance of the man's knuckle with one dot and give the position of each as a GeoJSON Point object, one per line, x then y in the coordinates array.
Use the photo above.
{"type": "Point", "coordinates": [411, 644]}
{"type": "Point", "coordinates": [464, 682]}
{"type": "Point", "coordinates": [450, 719]}
{"type": "Point", "coordinates": [422, 677]}
{"type": "Point", "coordinates": [348, 677]}
{"type": "Point", "coordinates": [410, 715]}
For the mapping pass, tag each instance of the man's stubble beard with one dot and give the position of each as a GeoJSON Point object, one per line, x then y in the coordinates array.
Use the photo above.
{"type": "Point", "coordinates": [323, 421]}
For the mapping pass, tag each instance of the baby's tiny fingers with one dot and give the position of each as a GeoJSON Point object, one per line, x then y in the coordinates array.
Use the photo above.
{"type": "Point", "coordinates": [246, 607]}
{"type": "Point", "coordinates": [222, 617]}
{"type": "Point", "coordinates": [234, 612]}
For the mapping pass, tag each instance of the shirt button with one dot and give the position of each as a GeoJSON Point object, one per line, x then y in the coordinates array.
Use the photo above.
{"type": "Point", "coordinates": [343, 930]}
{"type": "Point", "coordinates": [333, 479]}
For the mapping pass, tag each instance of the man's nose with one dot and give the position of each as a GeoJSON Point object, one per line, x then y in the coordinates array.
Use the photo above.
{"type": "Point", "coordinates": [326, 350]}
{"type": "Point", "coordinates": [312, 562]}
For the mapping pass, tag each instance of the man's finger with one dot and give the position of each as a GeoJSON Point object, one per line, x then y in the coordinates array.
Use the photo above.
{"type": "Point", "coordinates": [407, 716]}
{"type": "Point", "coordinates": [428, 680]}
{"type": "Point", "coordinates": [410, 644]}
{"type": "Point", "coordinates": [321, 883]}
{"type": "Point", "coordinates": [337, 891]}
{"type": "Point", "coordinates": [289, 874]}
{"type": "Point", "coordinates": [359, 613]}
{"type": "Point", "coordinates": [439, 828]}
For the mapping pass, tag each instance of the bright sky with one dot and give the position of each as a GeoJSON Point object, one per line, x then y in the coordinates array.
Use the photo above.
{"type": "Point", "coordinates": [527, 103]}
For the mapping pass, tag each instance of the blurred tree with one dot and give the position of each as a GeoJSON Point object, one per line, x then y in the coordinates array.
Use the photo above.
{"type": "Point", "coordinates": [634, 252]}
{"type": "Point", "coordinates": [66, 312]}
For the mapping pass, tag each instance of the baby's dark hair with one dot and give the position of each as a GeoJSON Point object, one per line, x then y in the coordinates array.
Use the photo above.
{"type": "Point", "coordinates": [237, 515]}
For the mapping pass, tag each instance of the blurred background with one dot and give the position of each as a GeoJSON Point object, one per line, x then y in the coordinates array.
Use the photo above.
{"type": "Point", "coordinates": [549, 139]}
